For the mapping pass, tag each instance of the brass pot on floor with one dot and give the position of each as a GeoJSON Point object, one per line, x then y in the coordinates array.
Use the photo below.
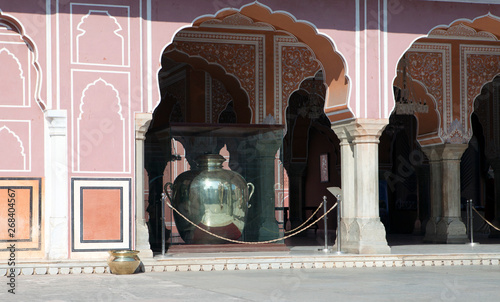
{"type": "Point", "coordinates": [122, 262]}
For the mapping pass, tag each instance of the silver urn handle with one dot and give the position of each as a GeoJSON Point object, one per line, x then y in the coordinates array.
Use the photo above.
{"type": "Point", "coordinates": [165, 190]}
{"type": "Point", "coordinates": [251, 189]}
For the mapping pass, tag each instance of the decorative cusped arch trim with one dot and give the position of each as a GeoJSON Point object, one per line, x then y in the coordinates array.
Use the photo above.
{"type": "Point", "coordinates": [428, 131]}
{"type": "Point", "coordinates": [485, 27]}
{"type": "Point", "coordinates": [233, 86]}
{"type": "Point", "coordinates": [335, 67]}
{"type": "Point", "coordinates": [16, 26]}
{"type": "Point", "coordinates": [453, 126]}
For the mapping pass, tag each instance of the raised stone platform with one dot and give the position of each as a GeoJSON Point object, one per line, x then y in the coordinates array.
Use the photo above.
{"type": "Point", "coordinates": [296, 257]}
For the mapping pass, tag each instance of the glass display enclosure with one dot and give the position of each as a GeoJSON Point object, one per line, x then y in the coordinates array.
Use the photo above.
{"type": "Point", "coordinates": [226, 182]}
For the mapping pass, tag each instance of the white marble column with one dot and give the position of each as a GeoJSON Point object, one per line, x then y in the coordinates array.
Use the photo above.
{"type": "Point", "coordinates": [361, 228]}
{"type": "Point", "coordinates": [56, 202]}
{"type": "Point", "coordinates": [142, 121]}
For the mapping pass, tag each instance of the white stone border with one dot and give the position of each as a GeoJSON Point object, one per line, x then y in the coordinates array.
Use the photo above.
{"type": "Point", "coordinates": [201, 264]}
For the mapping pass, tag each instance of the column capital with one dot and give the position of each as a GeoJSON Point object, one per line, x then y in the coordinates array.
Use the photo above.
{"type": "Point", "coordinates": [142, 122]}
{"type": "Point", "coordinates": [360, 130]}
{"type": "Point", "coordinates": [434, 153]}
{"type": "Point", "coordinates": [454, 151]}
{"type": "Point", "coordinates": [445, 152]}
{"type": "Point", "coordinates": [268, 144]}
{"type": "Point", "coordinates": [57, 122]}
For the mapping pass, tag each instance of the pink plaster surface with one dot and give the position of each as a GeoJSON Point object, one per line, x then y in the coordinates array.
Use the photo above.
{"type": "Point", "coordinates": [111, 41]}
{"type": "Point", "coordinates": [103, 58]}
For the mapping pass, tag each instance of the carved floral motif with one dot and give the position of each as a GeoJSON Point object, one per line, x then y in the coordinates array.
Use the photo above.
{"type": "Point", "coordinates": [316, 87]}
{"type": "Point", "coordinates": [239, 55]}
{"type": "Point", "coordinates": [427, 67]}
{"type": "Point", "coordinates": [220, 99]}
{"type": "Point", "coordinates": [297, 63]}
{"type": "Point", "coordinates": [178, 90]}
{"type": "Point", "coordinates": [481, 65]}
{"type": "Point", "coordinates": [430, 64]}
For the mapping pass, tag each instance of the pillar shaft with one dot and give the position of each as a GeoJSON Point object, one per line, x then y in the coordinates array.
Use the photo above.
{"type": "Point", "coordinates": [361, 228]}
{"type": "Point", "coordinates": [445, 225]}
{"type": "Point", "coordinates": [435, 155]}
{"type": "Point", "coordinates": [57, 244]}
{"type": "Point", "coordinates": [142, 121]}
{"type": "Point", "coordinates": [267, 146]}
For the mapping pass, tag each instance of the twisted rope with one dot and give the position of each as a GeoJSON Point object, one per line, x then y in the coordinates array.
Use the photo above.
{"type": "Point", "coordinates": [248, 242]}
{"type": "Point", "coordinates": [312, 215]}
{"type": "Point", "coordinates": [485, 219]}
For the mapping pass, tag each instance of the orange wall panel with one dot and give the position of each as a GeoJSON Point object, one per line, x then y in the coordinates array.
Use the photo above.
{"type": "Point", "coordinates": [101, 214]}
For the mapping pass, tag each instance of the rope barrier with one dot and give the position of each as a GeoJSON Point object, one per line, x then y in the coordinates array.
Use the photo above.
{"type": "Point", "coordinates": [249, 242]}
{"type": "Point", "coordinates": [486, 220]}
{"type": "Point", "coordinates": [312, 215]}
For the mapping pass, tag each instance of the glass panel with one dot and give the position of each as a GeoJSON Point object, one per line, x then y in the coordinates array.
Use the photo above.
{"type": "Point", "coordinates": [225, 179]}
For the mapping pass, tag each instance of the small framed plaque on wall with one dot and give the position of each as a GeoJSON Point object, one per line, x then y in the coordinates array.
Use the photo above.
{"type": "Point", "coordinates": [323, 167]}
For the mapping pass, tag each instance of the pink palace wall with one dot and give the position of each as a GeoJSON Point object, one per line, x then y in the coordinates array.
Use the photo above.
{"type": "Point", "coordinates": [98, 62]}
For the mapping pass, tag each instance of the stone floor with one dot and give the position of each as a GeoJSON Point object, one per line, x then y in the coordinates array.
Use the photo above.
{"type": "Point", "coordinates": [406, 250]}
{"type": "Point", "coordinates": [443, 283]}
{"type": "Point", "coordinates": [412, 272]}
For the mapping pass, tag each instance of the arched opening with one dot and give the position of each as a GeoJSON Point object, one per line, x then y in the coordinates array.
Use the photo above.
{"type": "Point", "coordinates": [225, 86]}
{"type": "Point", "coordinates": [311, 154]}
{"type": "Point", "coordinates": [445, 71]}
{"type": "Point", "coordinates": [481, 163]}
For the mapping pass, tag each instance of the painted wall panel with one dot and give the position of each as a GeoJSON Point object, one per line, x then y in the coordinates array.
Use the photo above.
{"type": "Point", "coordinates": [100, 219]}
{"type": "Point", "coordinates": [21, 214]}
{"type": "Point", "coordinates": [101, 214]}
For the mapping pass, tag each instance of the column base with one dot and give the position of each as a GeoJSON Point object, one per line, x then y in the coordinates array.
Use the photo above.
{"type": "Point", "coordinates": [363, 236]}
{"type": "Point", "coordinates": [142, 241]}
{"type": "Point", "coordinates": [58, 249]}
{"type": "Point", "coordinates": [269, 231]}
{"type": "Point", "coordinates": [431, 231]}
{"type": "Point", "coordinates": [451, 230]}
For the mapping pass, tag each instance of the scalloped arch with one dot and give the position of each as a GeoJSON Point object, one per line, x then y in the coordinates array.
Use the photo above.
{"type": "Point", "coordinates": [485, 27]}
{"type": "Point", "coordinates": [17, 27]}
{"type": "Point", "coordinates": [333, 63]}
{"type": "Point", "coordinates": [234, 88]}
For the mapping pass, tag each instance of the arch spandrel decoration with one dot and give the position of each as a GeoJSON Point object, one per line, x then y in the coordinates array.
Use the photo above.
{"type": "Point", "coordinates": [238, 59]}
{"type": "Point", "coordinates": [430, 65]}
{"type": "Point", "coordinates": [231, 84]}
{"type": "Point", "coordinates": [434, 63]}
{"type": "Point", "coordinates": [321, 46]}
{"type": "Point", "coordinates": [481, 65]}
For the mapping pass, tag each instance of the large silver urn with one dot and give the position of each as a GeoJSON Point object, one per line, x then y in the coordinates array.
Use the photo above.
{"type": "Point", "coordinates": [211, 197]}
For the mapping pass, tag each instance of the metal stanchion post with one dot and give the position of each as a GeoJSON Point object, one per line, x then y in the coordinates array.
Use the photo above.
{"type": "Point", "coordinates": [325, 218]}
{"type": "Point", "coordinates": [163, 224]}
{"type": "Point", "coordinates": [468, 217]}
{"type": "Point", "coordinates": [471, 222]}
{"type": "Point", "coordinates": [339, 205]}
